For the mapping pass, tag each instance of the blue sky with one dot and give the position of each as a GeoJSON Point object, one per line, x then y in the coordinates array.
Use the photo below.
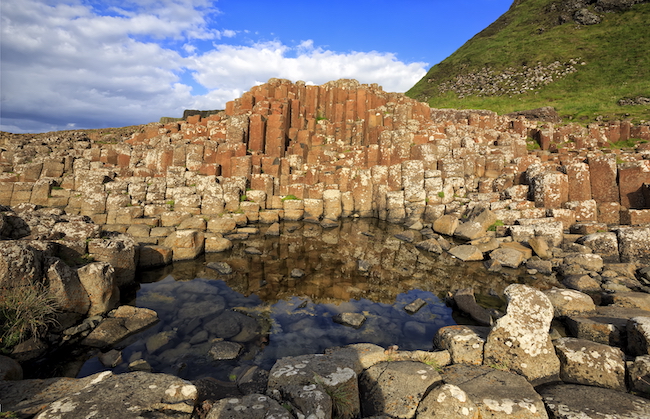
{"type": "Point", "coordinates": [75, 64]}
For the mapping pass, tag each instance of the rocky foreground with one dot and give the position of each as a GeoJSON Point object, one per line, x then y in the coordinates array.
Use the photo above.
{"type": "Point", "coordinates": [84, 212]}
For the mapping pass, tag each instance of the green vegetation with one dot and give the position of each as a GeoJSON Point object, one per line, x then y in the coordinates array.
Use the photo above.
{"type": "Point", "coordinates": [343, 398]}
{"type": "Point", "coordinates": [610, 60]}
{"type": "Point", "coordinates": [24, 312]}
{"type": "Point", "coordinates": [531, 144]}
{"type": "Point", "coordinates": [497, 223]}
{"type": "Point", "coordinates": [630, 143]}
{"type": "Point", "coordinates": [289, 198]}
{"type": "Point", "coordinates": [441, 194]}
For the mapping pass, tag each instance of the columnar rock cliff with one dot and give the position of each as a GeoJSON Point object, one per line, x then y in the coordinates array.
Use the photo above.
{"type": "Point", "coordinates": [293, 151]}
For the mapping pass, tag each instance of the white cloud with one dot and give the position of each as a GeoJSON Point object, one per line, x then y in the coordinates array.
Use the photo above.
{"type": "Point", "coordinates": [71, 65]}
{"type": "Point", "coordinates": [228, 66]}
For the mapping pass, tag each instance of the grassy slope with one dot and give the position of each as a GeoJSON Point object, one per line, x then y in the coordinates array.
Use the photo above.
{"type": "Point", "coordinates": [616, 53]}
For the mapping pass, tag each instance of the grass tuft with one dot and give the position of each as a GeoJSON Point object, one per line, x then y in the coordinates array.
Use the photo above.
{"type": "Point", "coordinates": [24, 312]}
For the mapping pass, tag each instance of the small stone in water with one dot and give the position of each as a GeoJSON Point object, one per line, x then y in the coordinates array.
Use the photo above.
{"type": "Point", "coordinates": [350, 319]}
{"type": "Point", "coordinates": [221, 267]}
{"type": "Point", "coordinates": [252, 251]}
{"type": "Point", "coordinates": [415, 306]}
{"type": "Point", "coordinates": [111, 359]}
{"type": "Point", "coordinates": [225, 350]}
{"type": "Point", "coordinates": [140, 365]}
{"type": "Point", "coordinates": [363, 266]}
{"type": "Point", "coordinates": [297, 273]}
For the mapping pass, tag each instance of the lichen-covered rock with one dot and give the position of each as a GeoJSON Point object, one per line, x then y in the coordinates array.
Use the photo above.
{"type": "Point", "coordinates": [464, 343]}
{"type": "Point", "coordinates": [496, 393]}
{"type": "Point", "coordinates": [447, 402]}
{"type": "Point", "coordinates": [102, 395]}
{"type": "Point", "coordinates": [126, 396]}
{"type": "Point", "coordinates": [634, 244]}
{"type": "Point", "coordinates": [446, 225]}
{"type": "Point", "coordinates": [520, 340]}
{"type": "Point", "coordinates": [567, 302]}
{"type": "Point", "coordinates": [605, 325]}
{"type": "Point", "coordinates": [630, 300]}
{"type": "Point", "coordinates": [396, 388]}
{"type": "Point", "coordinates": [98, 279]}
{"type": "Point", "coordinates": [590, 363]}
{"type": "Point", "coordinates": [119, 250]}
{"type": "Point", "coordinates": [638, 335]}
{"type": "Point", "coordinates": [185, 244]}
{"type": "Point", "coordinates": [252, 406]}
{"type": "Point", "coordinates": [604, 244]}
{"type": "Point", "coordinates": [509, 258]}
{"type": "Point", "coordinates": [334, 373]}
{"type": "Point", "coordinates": [20, 264]}
{"type": "Point", "coordinates": [587, 261]}
{"type": "Point", "coordinates": [571, 401]}
{"type": "Point", "coordinates": [639, 373]}
{"type": "Point", "coordinates": [65, 287]}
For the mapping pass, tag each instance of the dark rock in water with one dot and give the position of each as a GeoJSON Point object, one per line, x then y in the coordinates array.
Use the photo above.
{"type": "Point", "coordinates": [234, 326]}
{"type": "Point", "coordinates": [430, 245]}
{"type": "Point", "coordinates": [252, 251]}
{"type": "Point", "coordinates": [565, 401]}
{"type": "Point", "coordinates": [273, 230]}
{"type": "Point", "coordinates": [140, 365]}
{"type": "Point", "coordinates": [225, 350]}
{"type": "Point", "coordinates": [493, 265]}
{"type": "Point", "coordinates": [415, 306]}
{"type": "Point", "coordinates": [350, 319]}
{"type": "Point", "coordinates": [111, 359]}
{"type": "Point", "coordinates": [327, 223]}
{"type": "Point", "coordinates": [222, 267]}
{"type": "Point", "coordinates": [161, 341]}
{"type": "Point", "coordinates": [466, 302]}
{"type": "Point", "coordinates": [408, 236]}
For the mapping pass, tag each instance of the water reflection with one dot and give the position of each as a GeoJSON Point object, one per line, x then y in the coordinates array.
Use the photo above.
{"type": "Point", "coordinates": [283, 291]}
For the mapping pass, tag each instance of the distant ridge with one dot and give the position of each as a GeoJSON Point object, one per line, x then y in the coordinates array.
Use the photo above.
{"type": "Point", "coordinates": [586, 58]}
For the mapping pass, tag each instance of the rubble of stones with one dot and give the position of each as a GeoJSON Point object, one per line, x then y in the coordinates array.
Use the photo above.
{"type": "Point", "coordinates": [514, 369]}
{"type": "Point", "coordinates": [588, 12]}
{"type": "Point", "coordinates": [287, 152]}
{"type": "Point", "coordinates": [510, 81]}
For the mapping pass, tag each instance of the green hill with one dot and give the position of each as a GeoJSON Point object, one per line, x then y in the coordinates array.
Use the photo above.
{"type": "Point", "coordinates": [590, 59]}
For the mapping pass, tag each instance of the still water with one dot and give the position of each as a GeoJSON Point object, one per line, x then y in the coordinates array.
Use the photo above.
{"type": "Point", "coordinates": [277, 296]}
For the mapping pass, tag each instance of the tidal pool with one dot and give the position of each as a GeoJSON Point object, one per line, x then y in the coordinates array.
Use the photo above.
{"type": "Point", "coordinates": [281, 294]}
